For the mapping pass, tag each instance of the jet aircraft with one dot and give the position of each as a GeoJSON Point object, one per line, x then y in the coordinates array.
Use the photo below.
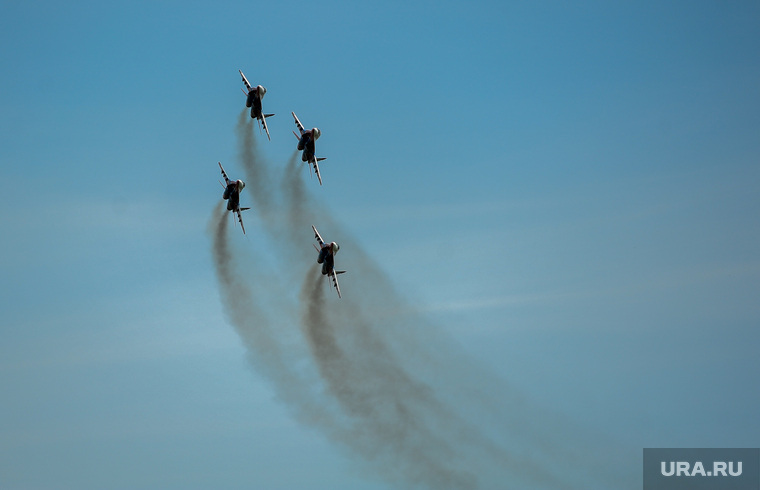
{"type": "Point", "coordinates": [326, 257]}
{"type": "Point", "coordinates": [253, 100]}
{"type": "Point", "coordinates": [306, 143]}
{"type": "Point", "coordinates": [232, 195]}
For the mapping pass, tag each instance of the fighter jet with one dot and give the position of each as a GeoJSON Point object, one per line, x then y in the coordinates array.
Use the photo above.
{"type": "Point", "coordinates": [232, 195]}
{"type": "Point", "coordinates": [306, 143]}
{"type": "Point", "coordinates": [253, 100]}
{"type": "Point", "coordinates": [326, 257]}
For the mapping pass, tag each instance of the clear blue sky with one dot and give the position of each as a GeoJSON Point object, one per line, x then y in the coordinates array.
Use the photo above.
{"type": "Point", "coordinates": [566, 193]}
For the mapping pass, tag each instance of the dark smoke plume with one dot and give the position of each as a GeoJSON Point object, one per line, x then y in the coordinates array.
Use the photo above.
{"type": "Point", "coordinates": [369, 370]}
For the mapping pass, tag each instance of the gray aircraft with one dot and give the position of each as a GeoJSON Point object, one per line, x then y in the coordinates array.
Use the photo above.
{"type": "Point", "coordinates": [306, 144]}
{"type": "Point", "coordinates": [326, 257]}
{"type": "Point", "coordinates": [253, 100]}
{"type": "Point", "coordinates": [232, 195]}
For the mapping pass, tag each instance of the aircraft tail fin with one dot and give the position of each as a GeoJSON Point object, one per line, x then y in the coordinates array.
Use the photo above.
{"type": "Point", "coordinates": [268, 115]}
{"type": "Point", "coordinates": [321, 158]}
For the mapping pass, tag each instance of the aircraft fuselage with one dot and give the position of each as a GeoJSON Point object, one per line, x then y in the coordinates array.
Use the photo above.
{"type": "Point", "coordinates": [232, 196]}
{"type": "Point", "coordinates": [327, 260]}
{"type": "Point", "coordinates": [306, 144]}
{"type": "Point", "coordinates": [254, 102]}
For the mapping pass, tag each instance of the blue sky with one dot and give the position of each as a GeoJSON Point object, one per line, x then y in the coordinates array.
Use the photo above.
{"type": "Point", "coordinates": [565, 193]}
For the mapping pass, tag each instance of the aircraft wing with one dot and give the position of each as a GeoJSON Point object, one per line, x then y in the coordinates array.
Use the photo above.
{"type": "Point", "coordinates": [319, 238]}
{"type": "Point", "coordinates": [264, 123]}
{"type": "Point", "coordinates": [334, 276]}
{"type": "Point", "coordinates": [298, 123]}
{"type": "Point", "coordinates": [240, 218]}
{"type": "Point", "coordinates": [316, 170]}
{"type": "Point", "coordinates": [245, 81]}
{"type": "Point", "coordinates": [224, 174]}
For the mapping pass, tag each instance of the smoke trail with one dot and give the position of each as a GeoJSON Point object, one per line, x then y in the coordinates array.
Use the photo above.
{"type": "Point", "coordinates": [383, 407]}
{"type": "Point", "coordinates": [300, 213]}
{"type": "Point", "coordinates": [269, 351]}
{"type": "Point", "coordinates": [374, 376]}
{"type": "Point", "coordinates": [245, 313]}
{"type": "Point", "coordinates": [256, 175]}
{"type": "Point", "coordinates": [400, 421]}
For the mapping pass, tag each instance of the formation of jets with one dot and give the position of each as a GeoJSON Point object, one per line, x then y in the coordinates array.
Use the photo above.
{"type": "Point", "coordinates": [306, 144]}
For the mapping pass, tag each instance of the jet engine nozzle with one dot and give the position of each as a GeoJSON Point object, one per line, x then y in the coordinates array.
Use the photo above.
{"type": "Point", "coordinates": [316, 133]}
